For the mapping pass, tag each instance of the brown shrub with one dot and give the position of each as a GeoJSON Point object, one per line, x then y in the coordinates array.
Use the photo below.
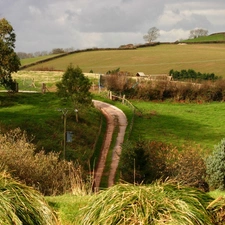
{"type": "Point", "coordinates": [45, 172]}
{"type": "Point", "coordinates": [147, 161]}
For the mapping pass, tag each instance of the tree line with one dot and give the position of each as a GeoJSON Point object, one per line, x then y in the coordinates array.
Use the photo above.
{"type": "Point", "coordinates": [192, 75]}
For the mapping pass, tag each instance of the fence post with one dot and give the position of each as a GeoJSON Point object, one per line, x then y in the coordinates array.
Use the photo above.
{"type": "Point", "coordinates": [123, 99]}
{"type": "Point", "coordinates": [44, 88]}
{"type": "Point", "coordinates": [110, 95]}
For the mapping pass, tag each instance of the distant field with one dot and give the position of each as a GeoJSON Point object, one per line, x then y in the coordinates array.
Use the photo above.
{"type": "Point", "coordinates": [213, 37]}
{"type": "Point", "coordinates": [35, 59]}
{"type": "Point", "coordinates": [32, 80]}
{"type": "Point", "coordinates": [205, 58]}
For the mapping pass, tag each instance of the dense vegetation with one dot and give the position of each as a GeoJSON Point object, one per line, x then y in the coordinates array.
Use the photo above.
{"type": "Point", "coordinates": [216, 167]}
{"type": "Point", "coordinates": [148, 161]}
{"type": "Point", "coordinates": [192, 75]}
{"type": "Point", "coordinates": [44, 172]}
{"type": "Point", "coordinates": [161, 90]}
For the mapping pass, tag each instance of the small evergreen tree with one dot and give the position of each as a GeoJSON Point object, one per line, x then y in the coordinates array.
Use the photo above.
{"type": "Point", "coordinates": [75, 86]}
{"type": "Point", "coordinates": [215, 167]}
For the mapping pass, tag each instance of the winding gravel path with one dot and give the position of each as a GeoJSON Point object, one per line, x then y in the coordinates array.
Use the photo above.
{"type": "Point", "coordinates": [115, 118]}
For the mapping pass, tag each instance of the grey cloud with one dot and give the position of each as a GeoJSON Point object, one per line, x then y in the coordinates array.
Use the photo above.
{"type": "Point", "coordinates": [46, 24]}
{"type": "Point", "coordinates": [193, 21]}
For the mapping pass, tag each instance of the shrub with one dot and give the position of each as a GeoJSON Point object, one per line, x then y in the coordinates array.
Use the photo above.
{"type": "Point", "coordinates": [45, 172]}
{"type": "Point", "coordinates": [205, 91]}
{"type": "Point", "coordinates": [189, 168]}
{"type": "Point", "coordinates": [147, 161]}
{"type": "Point", "coordinates": [158, 203]}
{"type": "Point", "coordinates": [215, 167]}
{"type": "Point", "coordinates": [20, 204]}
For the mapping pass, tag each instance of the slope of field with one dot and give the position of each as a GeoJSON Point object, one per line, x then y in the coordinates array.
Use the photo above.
{"type": "Point", "coordinates": [28, 61]}
{"type": "Point", "coordinates": [210, 38]}
{"type": "Point", "coordinates": [160, 59]}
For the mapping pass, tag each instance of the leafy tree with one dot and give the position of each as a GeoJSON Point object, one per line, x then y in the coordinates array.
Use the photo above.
{"type": "Point", "coordinates": [9, 61]}
{"type": "Point", "coordinates": [75, 86]}
{"type": "Point", "coordinates": [215, 167]}
{"type": "Point", "coordinates": [199, 32]}
{"type": "Point", "coordinates": [153, 34]}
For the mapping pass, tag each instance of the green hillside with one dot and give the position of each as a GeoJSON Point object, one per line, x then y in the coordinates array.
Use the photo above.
{"type": "Point", "coordinates": [217, 37]}
{"type": "Point", "coordinates": [160, 59]}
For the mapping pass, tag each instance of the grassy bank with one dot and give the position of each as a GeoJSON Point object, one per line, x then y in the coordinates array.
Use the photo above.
{"type": "Point", "coordinates": [180, 124]}
{"type": "Point", "coordinates": [38, 115]}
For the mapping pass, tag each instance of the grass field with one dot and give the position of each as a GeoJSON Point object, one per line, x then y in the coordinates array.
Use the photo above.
{"type": "Point", "coordinates": [38, 114]}
{"type": "Point", "coordinates": [180, 124]}
{"type": "Point", "coordinates": [209, 38]}
{"type": "Point", "coordinates": [205, 58]}
{"type": "Point", "coordinates": [36, 59]}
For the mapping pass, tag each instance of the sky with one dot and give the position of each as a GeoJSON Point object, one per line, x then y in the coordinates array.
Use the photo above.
{"type": "Point", "coordinates": [43, 25]}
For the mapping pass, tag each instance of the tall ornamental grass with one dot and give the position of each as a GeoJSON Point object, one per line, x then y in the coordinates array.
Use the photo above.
{"type": "Point", "coordinates": [156, 204]}
{"type": "Point", "coordinates": [22, 205]}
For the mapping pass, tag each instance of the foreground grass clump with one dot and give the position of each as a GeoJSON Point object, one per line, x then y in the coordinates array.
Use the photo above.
{"type": "Point", "coordinates": [159, 203]}
{"type": "Point", "coordinates": [20, 204]}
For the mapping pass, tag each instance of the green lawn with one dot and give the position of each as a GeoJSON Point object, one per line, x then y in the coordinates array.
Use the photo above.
{"type": "Point", "coordinates": [204, 58]}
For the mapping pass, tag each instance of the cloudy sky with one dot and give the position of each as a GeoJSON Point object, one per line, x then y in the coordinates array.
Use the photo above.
{"type": "Point", "coordinates": [42, 25]}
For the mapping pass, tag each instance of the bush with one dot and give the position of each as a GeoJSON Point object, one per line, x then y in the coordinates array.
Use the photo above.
{"type": "Point", "coordinates": [215, 167]}
{"type": "Point", "coordinates": [158, 203]}
{"type": "Point", "coordinates": [147, 161]}
{"type": "Point", "coordinates": [20, 204]}
{"type": "Point", "coordinates": [206, 91]}
{"type": "Point", "coordinates": [45, 172]}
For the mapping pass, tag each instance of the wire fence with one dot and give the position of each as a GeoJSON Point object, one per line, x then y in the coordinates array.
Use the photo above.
{"type": "Point", "coordinates": [126, 102]}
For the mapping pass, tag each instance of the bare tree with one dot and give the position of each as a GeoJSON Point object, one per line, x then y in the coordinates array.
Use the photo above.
{"type": "Point", "coordinates": [153, 34]}
{"type": "Point", "coordinates": [198, 32]}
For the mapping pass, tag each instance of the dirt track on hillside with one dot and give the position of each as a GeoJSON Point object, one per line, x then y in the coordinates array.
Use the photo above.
{"type": "Point", "coordinates": [115, 118]}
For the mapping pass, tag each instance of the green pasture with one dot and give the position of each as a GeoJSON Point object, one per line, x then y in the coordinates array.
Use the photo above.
{"type": "Point", "coordinates": [180, 124]}
{"type": "Point", "coordinates": [33, 80]}
{"type": "Point", "coordinates": [160, 59]}
{"type": "Point", "coordinates": [28, 61]}
{"type": "Point", "coordinates": [209, 38]}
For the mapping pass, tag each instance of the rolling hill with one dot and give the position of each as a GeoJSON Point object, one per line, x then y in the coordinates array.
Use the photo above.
{"type": "Point", "coordinates": [216, 37]}
{"type": "Point", "coordinates": [160, 59]}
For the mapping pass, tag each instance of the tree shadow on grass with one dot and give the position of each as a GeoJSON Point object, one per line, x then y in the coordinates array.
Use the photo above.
{"type": "Point", "coordinates": [176, 130]}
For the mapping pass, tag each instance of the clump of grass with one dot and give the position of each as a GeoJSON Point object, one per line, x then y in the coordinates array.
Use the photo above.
{"type": "Point", "coordinates": [20, 204]}
{"type": "Point", "coordinates": [158, 203]}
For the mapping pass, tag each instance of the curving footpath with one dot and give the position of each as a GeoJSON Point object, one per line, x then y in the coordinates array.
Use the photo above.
{"type": "Point", "coordinates": [115, 118]}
